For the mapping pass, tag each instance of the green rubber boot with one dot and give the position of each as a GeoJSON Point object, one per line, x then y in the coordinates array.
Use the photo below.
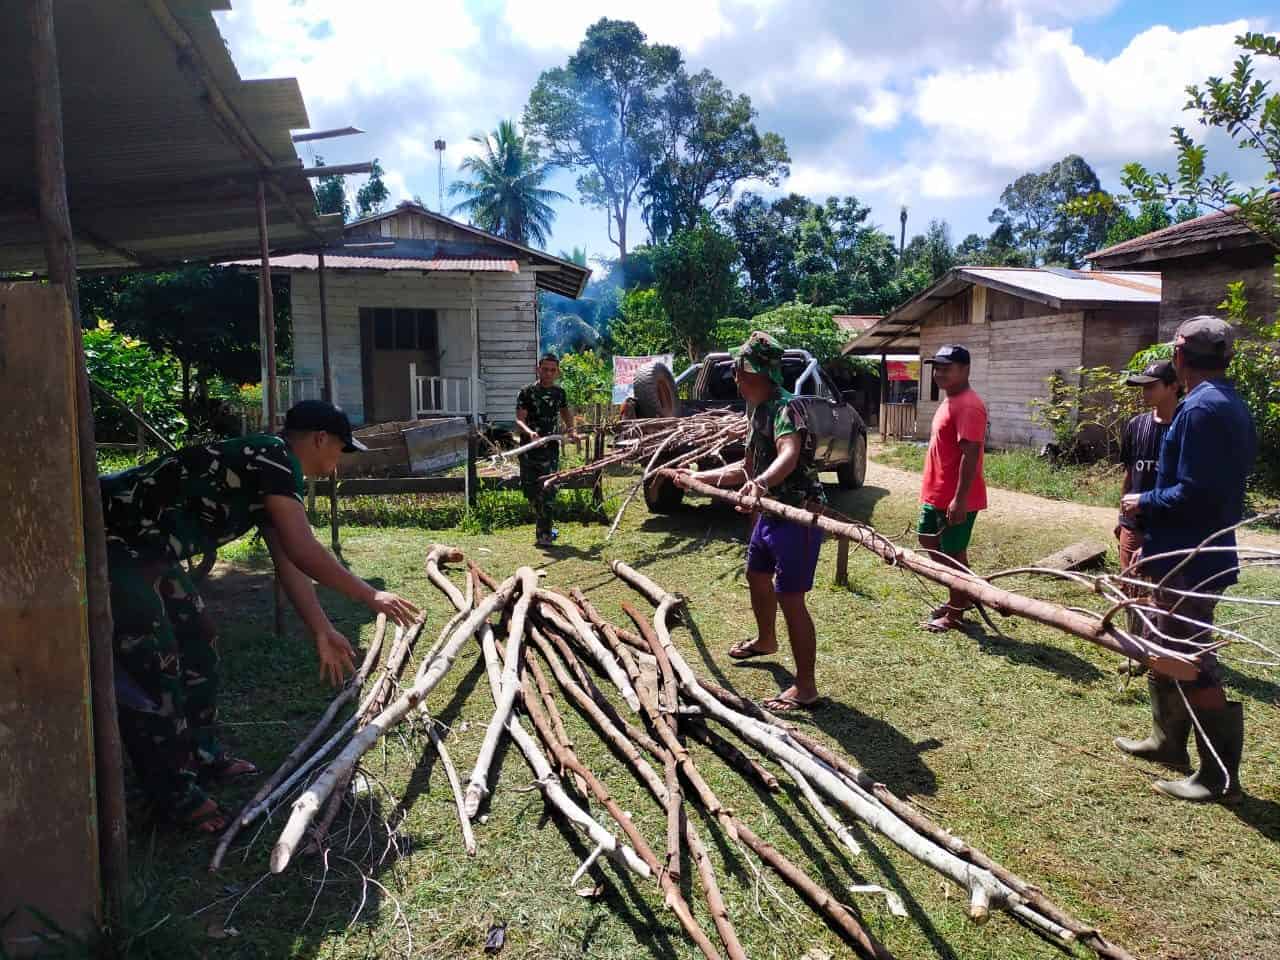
{"type": "Point", "coordinates": [1225, 731]}
{"type": "Point", "coordinates": [1170, 726]}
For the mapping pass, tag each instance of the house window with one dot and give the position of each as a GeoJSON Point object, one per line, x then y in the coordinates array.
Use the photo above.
{"type": "Point", "coordinates": [403, 328]}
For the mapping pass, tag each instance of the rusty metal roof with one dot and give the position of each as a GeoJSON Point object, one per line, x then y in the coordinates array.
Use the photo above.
{"type": "Point", "coordinates": [338, 261]}
{"type": "Point", "coordinates": [1208, 234]}
{"type": "Point", "coordinates": [154, 175]}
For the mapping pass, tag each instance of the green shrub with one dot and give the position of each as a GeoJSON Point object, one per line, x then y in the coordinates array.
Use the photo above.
{"type": "Point", "coordinates": [131, 371]}
{"type": "Point", "coordinates": [586, 379]}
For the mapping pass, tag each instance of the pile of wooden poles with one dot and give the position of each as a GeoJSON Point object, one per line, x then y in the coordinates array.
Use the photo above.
{"type": "Point", "coordinates": [543, 650]}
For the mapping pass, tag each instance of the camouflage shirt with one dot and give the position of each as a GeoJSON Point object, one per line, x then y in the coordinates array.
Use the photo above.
{"type": "Point", "coordinates": [196, 499]}
{"type": "Point", "coordinates": [543, 406]}
{"type": "Point", "coordinates": [771, 421]}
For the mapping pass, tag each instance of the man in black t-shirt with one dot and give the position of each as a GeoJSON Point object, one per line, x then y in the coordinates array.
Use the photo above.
{"type": "Point", "coordinates": [1139, 453]}
{"type": "Point", "coordinates": [1140, 446]}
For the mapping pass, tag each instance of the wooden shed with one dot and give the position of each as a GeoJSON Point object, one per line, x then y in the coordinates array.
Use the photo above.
{"type": "Point", "coordinates": [1022, 325]}
{"type": "Point", "coordinates": [424, 316]}
{"type": "Point", "coordinates": [1196, 260]}
{"type": "Point", "coordinates": [130, 141]}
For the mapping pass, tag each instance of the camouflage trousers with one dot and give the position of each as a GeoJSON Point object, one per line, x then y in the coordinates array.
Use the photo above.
{"type": "Point", "coordinates": [166, 680]}
{"type": "Point", "coordinates": [535, 465]}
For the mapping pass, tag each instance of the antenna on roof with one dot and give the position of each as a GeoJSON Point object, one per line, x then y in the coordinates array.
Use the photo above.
{"type": "Point", "coordinates": [440, 145]}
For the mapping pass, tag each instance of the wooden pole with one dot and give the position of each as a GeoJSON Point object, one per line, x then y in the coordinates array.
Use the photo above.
{"type": "Point", "coordinates": [1041, 611]}
{"type": "Point", "coordinates": [326, 388]}
{"type": "Point", "coordinates": [60, 257]}
{"type": "Point", "coordinates": [269, 339]}
{"type": "Point", "coordinates": [473, 480]}
{"type": "Point", "coordinates": [333, 513]}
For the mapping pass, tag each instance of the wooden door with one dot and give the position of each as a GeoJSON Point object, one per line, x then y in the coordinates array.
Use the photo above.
{"type": "Point", "coordinates": [391, 338]}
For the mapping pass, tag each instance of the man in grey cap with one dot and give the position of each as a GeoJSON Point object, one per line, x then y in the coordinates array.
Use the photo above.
{"type": "Point", "coordinates": [1203, 463]}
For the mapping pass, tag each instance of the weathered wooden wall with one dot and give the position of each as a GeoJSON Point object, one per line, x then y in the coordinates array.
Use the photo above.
{"type": "Point", "coordinates": [1112, 337]}
{"type": "Point", "coordinates": [1196, 285]}
{"type": "Point", "coordinates": [508, 332]}
{"type": "Point", "coordinates": [48, 826]}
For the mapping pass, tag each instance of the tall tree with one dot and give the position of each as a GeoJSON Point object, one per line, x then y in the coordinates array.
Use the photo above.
{"type": "Point", "coordinates": [694, 277]}
{"type": "Point", "coordinates": [997, 250]}
{"type": "Point", "coordinates": [331, 194]}
{"type": "Point", "coordinates": [1037, 208]}
{"type": "Point", "coordinates": [931, 253]}
{"type": "Point", "coordinates": [373, 195]}
{"type": "Point", "coordinates": [708, 144]}
{"type": "Point", "coordinates": [504, 194]}
{"type": "Point", "coordinates": [598, 113]}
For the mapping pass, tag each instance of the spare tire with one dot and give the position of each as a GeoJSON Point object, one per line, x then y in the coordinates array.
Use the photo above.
{"type": "Point", "coordinates": [655, 391]}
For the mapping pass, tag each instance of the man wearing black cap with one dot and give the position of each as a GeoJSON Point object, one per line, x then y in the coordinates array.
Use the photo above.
{"type": "Point", "coordinates": [185, 504]}
{"type": "Point", "coordinates": [1200, 477]}
{"type": "Point", "coordinates": [952, 490]}
{"type": "Point", "coordinates": [1140, 449]}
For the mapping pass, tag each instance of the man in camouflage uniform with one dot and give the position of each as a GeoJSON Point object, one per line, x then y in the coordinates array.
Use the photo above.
{"type": "Point", "coordinates": [782, 556]}
{"type": "Point", "coordinates": [538, 408]}
{"type": "Point", "coordinates": [185, 504]}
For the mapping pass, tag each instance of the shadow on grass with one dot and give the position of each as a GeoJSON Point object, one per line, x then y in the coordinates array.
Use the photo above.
{"type": "Point", "coordinates": [1030, 653]}
{"type": "Point", "coordinates": [1264, 691]}
{"type": "Point", "coordinates": [879, 747]}
{"type": "Point", "coordinates": [1260, 814]}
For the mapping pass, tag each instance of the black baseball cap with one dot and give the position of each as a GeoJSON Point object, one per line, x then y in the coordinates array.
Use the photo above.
{"type": "Point", "coordinates": [324, 416]}
{"type": "Point", "coordinates": [1161, 371]}
{"type": "Point", "coordinates": [950, 353]}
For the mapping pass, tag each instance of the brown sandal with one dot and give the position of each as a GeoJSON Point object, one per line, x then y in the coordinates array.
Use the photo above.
{"type": "Point", "coordinates": [745, 650]}
{"type": "Point", "coordinates": [209, 818]}
{"type": "Point", "coordinates": [227, 769]}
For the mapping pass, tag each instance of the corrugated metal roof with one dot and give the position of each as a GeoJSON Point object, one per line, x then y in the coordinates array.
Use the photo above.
{"type": "Point", "coordinates": [1056, 287]}
{"type": "Point", "coordinates": [854, 323]}
{"type": "Point", "coordinates": [153, 176]}
{"type": "Point", "coordinates": [335, 261]}
{"type": "Point", "coordinates": [1074, 286]}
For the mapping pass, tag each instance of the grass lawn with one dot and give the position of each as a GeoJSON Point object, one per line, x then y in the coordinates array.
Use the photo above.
{"type": "Point", "coordinates": [1005, 741]}
{"type": "Point", "coordinates": [1095, 484]}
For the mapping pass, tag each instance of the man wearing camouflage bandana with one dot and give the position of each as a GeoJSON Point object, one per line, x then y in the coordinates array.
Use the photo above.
{"type": "Point", "coordinates": [185, 504]}
{"type": "Point", "coordinates": [782, 556]}
{"type": "Point", "coordinates": [541, 407]}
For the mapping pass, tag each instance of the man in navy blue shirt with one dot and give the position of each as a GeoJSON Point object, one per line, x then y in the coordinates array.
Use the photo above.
{"type": "Point", "coordinates": [1204, 461]}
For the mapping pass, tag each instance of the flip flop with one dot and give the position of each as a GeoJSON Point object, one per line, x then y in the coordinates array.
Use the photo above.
{"type": "Point", "coordinates": [208, 821]}
{"type": "Point", "coordinates": [742, 650]}
{"type": "Point", "coordinates": [781, 704]}
{"type": "Point", "coordinates": [220, 771]}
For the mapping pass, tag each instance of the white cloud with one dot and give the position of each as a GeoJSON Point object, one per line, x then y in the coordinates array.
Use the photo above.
{"type": "Point", "coordinates": [881, 111]}
{"type": "Point", "coordinates": [1046, 97]}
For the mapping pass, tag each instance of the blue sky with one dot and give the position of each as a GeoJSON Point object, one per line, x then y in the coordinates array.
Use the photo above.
{"type": "Point", "coordinates": [935, 104]}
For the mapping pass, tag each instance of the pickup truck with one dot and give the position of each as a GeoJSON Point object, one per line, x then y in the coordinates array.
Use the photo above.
{"type": "Point", "coordinates": [838, 435]}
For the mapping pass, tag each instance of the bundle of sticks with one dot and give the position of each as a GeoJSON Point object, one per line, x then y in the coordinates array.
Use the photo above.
{"type": "Point", "coordinates": [544, 650]}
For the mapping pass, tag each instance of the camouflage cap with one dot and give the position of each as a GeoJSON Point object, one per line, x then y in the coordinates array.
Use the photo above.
{"type": "Point", "coordinates": [760, 354]}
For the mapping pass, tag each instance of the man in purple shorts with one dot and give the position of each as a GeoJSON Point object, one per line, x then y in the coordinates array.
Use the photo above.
{"type": "Point", "coordinates": [782, 556]}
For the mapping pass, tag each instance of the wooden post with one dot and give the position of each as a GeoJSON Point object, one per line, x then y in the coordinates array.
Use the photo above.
{"type": "Point", "coordinates": [333, 513]}
{"type": "Point", "coordinates": [269, 338]}
{"type": "Point", "coordinates": [884, 395]}
{"type": "Point", "coordinates": [475, 353]}
{"type": "Point", "coordinates": [842, 564]}
{"type": "Point", "coordinates": [472, 480]}
{"type": "Point", "coordinates": [326, 388]}
{"type": "Point", "coordinates": [60, 256]}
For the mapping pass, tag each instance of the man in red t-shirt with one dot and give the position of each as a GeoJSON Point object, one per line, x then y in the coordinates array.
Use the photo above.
{"type": "Point", "coordinates": [953, 490]}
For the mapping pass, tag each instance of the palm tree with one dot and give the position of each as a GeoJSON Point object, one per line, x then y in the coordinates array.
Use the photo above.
{"type": "Point", "coordinates": [578, 256]}
{"type": "Point", "coordinates": [505, 193]}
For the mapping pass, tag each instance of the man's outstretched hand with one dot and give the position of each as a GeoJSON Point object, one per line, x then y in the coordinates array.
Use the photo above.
{"type": "Point", "coordinates": [396, 608]}
{"type": "Point", "coordinates": [337, 659]}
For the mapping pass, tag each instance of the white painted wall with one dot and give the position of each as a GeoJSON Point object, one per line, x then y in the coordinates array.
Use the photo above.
{"type": "Point", "coordinates": [508, 332]}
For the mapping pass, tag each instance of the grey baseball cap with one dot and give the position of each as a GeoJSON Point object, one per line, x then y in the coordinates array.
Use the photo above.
{"type": "Point", "coordinates": [1208, 337]}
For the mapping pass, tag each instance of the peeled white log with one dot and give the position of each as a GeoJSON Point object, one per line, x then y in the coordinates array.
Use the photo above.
{"type": "Point", "coordinates": [983, 887]}
{"type": "Point", "coordinates": [549, 783]}
{"type": "Point", "coordinates": [842, 831]}
{"type": "Point", "coordinates": [478, 784]}
{"type": "Point", "coordinates": [306, 806]}
{"type": "Point", "coordinates": [455, 786]}
{"type": "Point", "coordinates": [599, 652]}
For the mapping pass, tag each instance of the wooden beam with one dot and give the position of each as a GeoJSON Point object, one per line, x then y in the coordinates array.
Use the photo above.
{"type": "Point", "coordinates": [337, 169]}
{"type": "Point", "coordinates": [60, 256]}
{"type": "Point", "coordinates": [326, 386]}
{"type": "Point", "coordinates": [224, 114]}
{"type": "Point", "coordinates": [326, 134]}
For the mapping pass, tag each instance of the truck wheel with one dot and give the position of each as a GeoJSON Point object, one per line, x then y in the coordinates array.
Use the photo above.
{"type": "Point", "coordinates": [663, 496]}
{"type": "Point", "coordinates": [655, 390]}
{"type": "Point", "coordinates": [853, 474]}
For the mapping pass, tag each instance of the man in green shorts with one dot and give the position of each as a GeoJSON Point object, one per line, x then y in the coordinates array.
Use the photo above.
{"type": "Point", "coordinates": [952, 490]}
{"type": "Point", "coordinates": [542, 409]}
{"type": "Point", "coordinates": [185, 504]}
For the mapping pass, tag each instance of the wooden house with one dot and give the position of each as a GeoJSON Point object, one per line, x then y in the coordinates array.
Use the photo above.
{"type": "Point", "coordinates": [423, 316]}
{"type": "Point", "coordinates": [1020, 326]}
{"type": "Point", "coordinates": [1196, 260]}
